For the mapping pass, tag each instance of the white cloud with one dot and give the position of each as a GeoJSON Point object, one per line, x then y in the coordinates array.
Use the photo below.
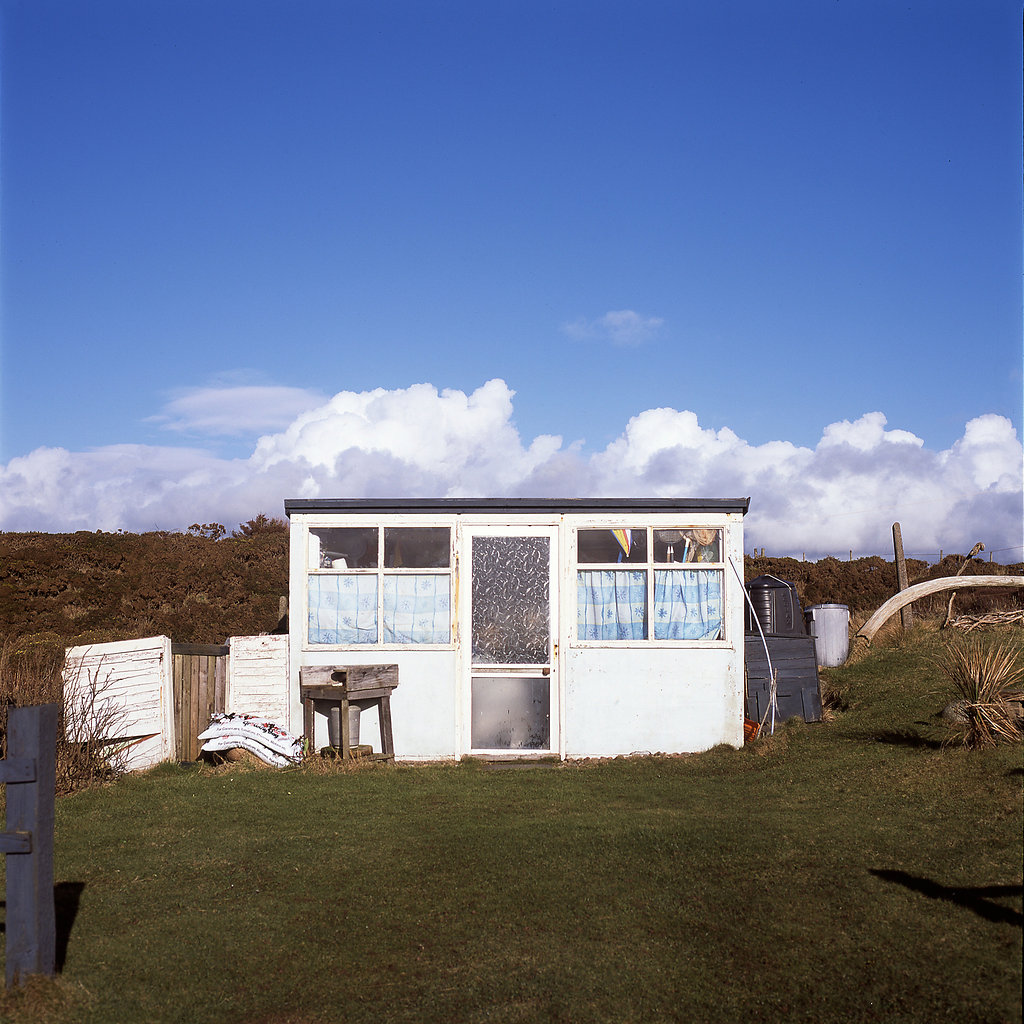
{"type": "Point", "coordinates": [844, 493]}
{"type": "Point", "coordinates": [237, 410]}
{"type": "Point", "coordinates": [618, 326]}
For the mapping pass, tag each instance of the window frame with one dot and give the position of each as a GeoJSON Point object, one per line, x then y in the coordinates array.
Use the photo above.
{"type": "Point", "coordinates": [379, 572]}
{"type": "Point", "coordinates": [650, 566]}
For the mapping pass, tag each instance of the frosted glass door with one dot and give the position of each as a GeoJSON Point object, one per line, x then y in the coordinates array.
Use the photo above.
{"type": "Point", "coordinates": [511, 692]}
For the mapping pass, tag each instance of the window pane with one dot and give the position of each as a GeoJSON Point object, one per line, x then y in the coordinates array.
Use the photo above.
{"type": "Point", "coordinates": [417, 609]}
{"type": "Point", "coordinates": [611, 604]}
{"type": "Point", "coordinates": [342, 608]}
{"type": "Point", "coordinates": [511, 713]}
{"type": "Point", "coordinates": [692, 545]}
{"type": "Point", "coordinates": [417, 547]}
{"type": "Point", "coordinates": [688, 604]}
{"type": "Point", "coordinates": [511, 602]}
{"type": "Point", "coordinates": [343, 548]}
{"type": "Point", "coordinates": [623, 544]}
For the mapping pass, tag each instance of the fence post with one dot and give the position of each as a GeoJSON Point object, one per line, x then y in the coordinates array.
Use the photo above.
{"type": "Point", "coordinates": [906, 614]}
{"type": "Point", "coordinates": [30, 771]}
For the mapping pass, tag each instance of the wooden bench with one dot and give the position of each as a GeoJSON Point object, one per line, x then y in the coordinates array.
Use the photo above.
{"type": "Point", "coordinates": [359, 685]}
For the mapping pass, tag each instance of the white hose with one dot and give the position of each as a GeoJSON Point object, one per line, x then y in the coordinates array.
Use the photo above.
{"type": "Point", "coordinates": [773, 685]}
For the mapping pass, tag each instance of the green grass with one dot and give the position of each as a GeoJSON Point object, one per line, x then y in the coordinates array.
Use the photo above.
{"type": "Point", "coordinates": [851, 871]}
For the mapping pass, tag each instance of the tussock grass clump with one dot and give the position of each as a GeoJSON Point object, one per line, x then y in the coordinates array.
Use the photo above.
{"type": "Point", "coordinates": [989, 682]}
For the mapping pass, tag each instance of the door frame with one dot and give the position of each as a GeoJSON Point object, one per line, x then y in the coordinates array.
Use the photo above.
{"type": "Point", "coordinates": [551, 670]}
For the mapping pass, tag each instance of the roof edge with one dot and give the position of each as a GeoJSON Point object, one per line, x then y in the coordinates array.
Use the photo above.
{"type": "Point", "coordinates": [306, 505]}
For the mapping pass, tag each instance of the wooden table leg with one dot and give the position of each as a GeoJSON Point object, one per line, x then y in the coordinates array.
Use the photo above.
{"type": "Point", "coordinates": [307, 722]}
{"type": "Point", "coordinates": [346, 751]}
{"type": "Point", "coordinates": [387, 741]}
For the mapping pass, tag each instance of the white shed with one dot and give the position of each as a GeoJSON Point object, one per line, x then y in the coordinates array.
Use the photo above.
{"type": "Point", "coordinates": [528, 627]}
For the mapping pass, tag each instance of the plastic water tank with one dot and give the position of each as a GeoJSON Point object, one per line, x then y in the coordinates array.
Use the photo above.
{"type": "Point", "coordinates": [777, 607]}
{"type": "Point", "coordinates": [829, 624]}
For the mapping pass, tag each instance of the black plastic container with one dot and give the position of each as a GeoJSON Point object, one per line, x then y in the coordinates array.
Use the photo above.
{"type": "Point", "coordinates": [777, 606]}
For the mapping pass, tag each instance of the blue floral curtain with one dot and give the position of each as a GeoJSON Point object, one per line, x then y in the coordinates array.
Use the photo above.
{"type": "Point", "coordinates": [342, 609]}
{"type": "Point", "coordinates": [417, 609]}
{"type": "Point", "coordinates": [611, 604]}
{"type": "Point", "coordinates": [687, 604]}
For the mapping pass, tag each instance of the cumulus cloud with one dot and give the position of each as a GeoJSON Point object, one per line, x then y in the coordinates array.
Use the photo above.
{"type": "Point", "coordinates": [844, 493]}
{"type": "Point", "coordinates": [618, 326]}
{"type": "Point", "coordinates": [235, 411]}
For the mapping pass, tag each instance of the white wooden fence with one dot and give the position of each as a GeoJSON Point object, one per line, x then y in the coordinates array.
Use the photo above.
{"type": "Point", "coordinates": [132, 683]}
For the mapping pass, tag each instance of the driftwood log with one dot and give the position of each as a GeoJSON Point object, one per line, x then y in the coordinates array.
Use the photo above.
{"type": "Point", "coordinates": [969, 622]}
{"type": "Point", "coordinates": [918, 590]}
{"type": "Point", "coordinates": [963, 568]}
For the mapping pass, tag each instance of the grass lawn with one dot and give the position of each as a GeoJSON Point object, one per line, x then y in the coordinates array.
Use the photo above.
{"type": "Point", "coordinates": [850, 871]}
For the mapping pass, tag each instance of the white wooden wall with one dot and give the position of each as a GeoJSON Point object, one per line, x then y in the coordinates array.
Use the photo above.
{"type": "Point", "coordinates": [133, 680]}
{"type": "Point", "coordinates": [258, 677]}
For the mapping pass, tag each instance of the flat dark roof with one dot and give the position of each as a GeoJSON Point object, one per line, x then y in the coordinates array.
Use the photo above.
{"type": "Point", "coordinates": [627, 505]}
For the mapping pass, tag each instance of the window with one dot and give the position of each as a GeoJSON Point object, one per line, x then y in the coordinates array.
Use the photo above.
{"type": "Point", "coordinates": [646, 583]}
{"type": "Point", "coordinates": [379, 585]}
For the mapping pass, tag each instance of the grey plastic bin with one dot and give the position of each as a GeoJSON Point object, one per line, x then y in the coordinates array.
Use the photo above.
{"type": "Point", "coordinates": [829, 624]}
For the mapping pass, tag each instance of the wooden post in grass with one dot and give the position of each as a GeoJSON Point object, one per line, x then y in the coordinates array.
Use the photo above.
{"type": "Point", "coordinates": [907, 613]}
{"type": "Point", "coordinates": [30, 771]}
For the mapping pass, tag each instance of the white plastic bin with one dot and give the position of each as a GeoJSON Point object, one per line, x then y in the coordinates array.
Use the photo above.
{"type": "Point", "coordinates": [829, 624]}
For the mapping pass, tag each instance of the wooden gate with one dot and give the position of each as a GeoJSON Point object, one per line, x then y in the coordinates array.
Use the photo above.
{"type": "Point", "coordinates": [200, 685]}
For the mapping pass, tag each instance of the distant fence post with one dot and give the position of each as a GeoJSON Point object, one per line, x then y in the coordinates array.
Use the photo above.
{"type": "Point", "coordinates": [906, 614]}
{"type": "Point", "coordinates": [30, 772]}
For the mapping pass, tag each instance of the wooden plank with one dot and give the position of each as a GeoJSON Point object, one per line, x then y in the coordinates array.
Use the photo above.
{"type": "Point", "coordinates": [194, 729]}
{"type": "Point", "coordinates": [31, 925]}
{"type": "Point", "coordinates": [220, 694]}
{"type": "Point", "coordinates": [370, 677]}
{"type": "Point", "coordinates": [186, 707]}
{"type": "Point", "coordinates": [15, 842]}
{"type": "Point", "coordinates": [200, 650]}
{"type": "Point", "coordinates": [178, 688]}
{"type": "Point", "coordinates": [321, 675]}
{"type": "Point", "coordinates": [18, 769]}
{"type": "Point", "coordinates": [206, 667]}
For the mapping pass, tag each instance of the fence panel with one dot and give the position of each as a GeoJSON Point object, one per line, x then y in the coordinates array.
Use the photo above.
{"type": "Point", "coordinates": [200, 674]}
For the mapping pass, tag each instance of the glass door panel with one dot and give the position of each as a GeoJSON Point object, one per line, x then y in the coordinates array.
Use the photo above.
{"type": "Point", "coordinates": [512, 695]}
{"type": "Point", "coordinates": [511, 600]}
{"type": "Point", "coordinates": [511, 713]}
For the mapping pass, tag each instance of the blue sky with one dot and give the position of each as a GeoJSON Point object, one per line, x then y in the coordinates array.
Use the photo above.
{"type": "Point", "coordinates": [217, 217]}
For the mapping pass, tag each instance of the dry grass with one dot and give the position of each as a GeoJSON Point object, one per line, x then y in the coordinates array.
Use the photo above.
{"type": "Point", "coordinates": [988, 679]}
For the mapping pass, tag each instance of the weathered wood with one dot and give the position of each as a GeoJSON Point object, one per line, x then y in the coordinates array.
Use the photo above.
{"type": "Point", "coordinates": [200, 689]}
{"type": "Point", "coordinates": [201, 650]}
{"type": "Point", "coordinates": [31, 925]}
{"type": "Point", "coordinates": [952, 597]}
{"type": "Point", "coordinates": [220, 686]}
{"type": "Point", "coordinates": [355, 677]}
{"type": "Point", "coordinates": [18, 769]}
{"type": "Point", "coordinates": [907, 615]}
{"type": "Point", "coordinates": [919, 590]}
{"type": "Point", "coordinates": [368, 677]}
{"type": "Point", "coordinates": [362, 686]}
{"type": "Point", "coordinates": [15, 842]}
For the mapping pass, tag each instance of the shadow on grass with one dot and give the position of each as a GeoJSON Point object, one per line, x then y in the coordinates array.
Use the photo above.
{"type": "Point", "coordinates": [978, 898]}
{"type": "Point", "coordinates": [66, 897]}
{"type": "Point", "coordinates": [906, 738]}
